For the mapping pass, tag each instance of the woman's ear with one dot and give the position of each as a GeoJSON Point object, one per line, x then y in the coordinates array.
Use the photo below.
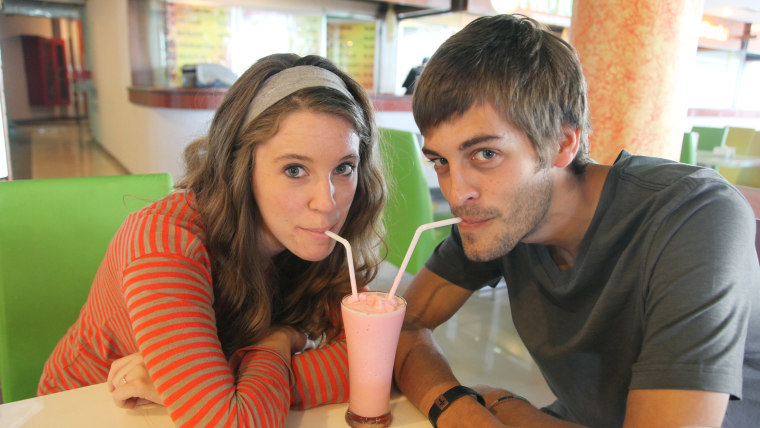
{"type": "Point", "coordinates": [568, 146]}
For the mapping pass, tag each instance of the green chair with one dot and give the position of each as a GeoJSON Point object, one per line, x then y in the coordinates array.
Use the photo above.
{"type": "Point", "coordinates": [709, 137]}
{"type": "Point", "coordinates": [689, 148]}
{"type": "Point", "coordinates": [53, 236]}
{"type": "Point", "coordinates": [409, 204]}
{"type": "Point", "coordinates": [740, 139]}
{"type": "Point", "coordinates": [751, 176]}
{"type": "Point", "coordinates": [441, 211]}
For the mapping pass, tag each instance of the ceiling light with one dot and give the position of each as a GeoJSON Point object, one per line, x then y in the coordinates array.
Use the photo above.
{"type": "Point", "coordinates": [505, 6]}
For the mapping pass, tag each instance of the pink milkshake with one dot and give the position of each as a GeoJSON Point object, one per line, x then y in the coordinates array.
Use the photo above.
{"type": "Point", "coordinates": [372, 324]}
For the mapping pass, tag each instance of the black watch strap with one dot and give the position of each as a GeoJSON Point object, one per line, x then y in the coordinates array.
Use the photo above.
{"type": "Point", "coordinates": [444, 400]}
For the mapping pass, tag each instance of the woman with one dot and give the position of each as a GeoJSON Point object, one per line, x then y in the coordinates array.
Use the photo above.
{"type": "Point", "coordinates": [206, 298]}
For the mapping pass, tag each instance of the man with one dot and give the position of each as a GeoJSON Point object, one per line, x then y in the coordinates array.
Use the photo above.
{"type": "Point", "coordinates": [632, 285]}
{"type": "Point", "coordinates": [412, 76]}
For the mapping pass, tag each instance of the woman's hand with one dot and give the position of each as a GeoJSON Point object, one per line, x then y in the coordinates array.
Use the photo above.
{"type": "Point", "coordinates": [287, 340]}
{"type": "Point", "coordinates": [130, 384]}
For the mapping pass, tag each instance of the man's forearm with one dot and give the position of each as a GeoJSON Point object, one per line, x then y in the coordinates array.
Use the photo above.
{"type": "Point", "coordinates": [421, 371]}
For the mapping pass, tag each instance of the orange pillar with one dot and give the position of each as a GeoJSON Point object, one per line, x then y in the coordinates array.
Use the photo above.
{"type": "Point", "coordinates": [637, 56]}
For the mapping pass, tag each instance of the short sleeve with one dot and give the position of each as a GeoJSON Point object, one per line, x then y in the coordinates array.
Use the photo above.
{"type": "Point", "coordinates": [703, 269]}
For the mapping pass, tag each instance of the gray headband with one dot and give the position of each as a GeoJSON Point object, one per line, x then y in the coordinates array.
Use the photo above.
{"type": "Point", "coordinates": [291, 80]}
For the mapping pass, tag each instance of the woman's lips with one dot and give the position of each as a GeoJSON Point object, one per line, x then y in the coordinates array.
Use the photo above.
{"type": "Point", "coordinates": [319, 233]}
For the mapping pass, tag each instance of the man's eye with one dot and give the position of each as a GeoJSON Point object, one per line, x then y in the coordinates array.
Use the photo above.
{"type": "Point", "coordinates": [294, 171]}
{"type": "Point", "coordinates": [438, 162]}
{"type": "Point", "coordinates": [485, 154]}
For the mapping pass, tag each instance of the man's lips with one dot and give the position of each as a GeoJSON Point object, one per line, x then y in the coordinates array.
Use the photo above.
{"type": "Point", "coordinates": [468, 223]}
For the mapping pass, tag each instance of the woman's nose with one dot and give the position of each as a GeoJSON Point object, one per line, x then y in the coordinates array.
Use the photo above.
{"type": "Point", "coordinates": [323, 196]}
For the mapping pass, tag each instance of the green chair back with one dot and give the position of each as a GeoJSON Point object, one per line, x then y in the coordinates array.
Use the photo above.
{"type": "Point", "coordinates": [751, 176]}
{"type": "Point", "coordinates": [709, 137]}
{"type": "Point", "coordinates": [409, 204]}
{"type": "Point", "coordinates": [689, 148]}
{"type": "Point", "coordinates": [53, 236]}
{"type": "Point", "coordinates": [740, 139]}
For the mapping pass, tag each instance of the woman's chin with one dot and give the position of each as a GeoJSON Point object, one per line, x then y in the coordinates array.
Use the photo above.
{"type": "Point", "coordinates": [313, 256]}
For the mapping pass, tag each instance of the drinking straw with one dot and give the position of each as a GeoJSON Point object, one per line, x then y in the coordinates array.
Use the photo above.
{"type": "Point", "coordinates": [350, 257]}
{"type": "Point", "coordinates": [409, 251]}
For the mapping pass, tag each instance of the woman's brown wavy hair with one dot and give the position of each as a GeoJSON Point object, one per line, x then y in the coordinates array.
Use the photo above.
{"type": "Point", "coordinates": [252, 291]}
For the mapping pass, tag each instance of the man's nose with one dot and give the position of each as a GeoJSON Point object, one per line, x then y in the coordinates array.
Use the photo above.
{"type": "Point", "coordinates": [461, 187]}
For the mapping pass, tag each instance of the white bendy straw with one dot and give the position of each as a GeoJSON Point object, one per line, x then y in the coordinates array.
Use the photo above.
{"type": "Point", "coordinates": [409, 251]}
{"type": "Point", "coordinates": [350, 257]}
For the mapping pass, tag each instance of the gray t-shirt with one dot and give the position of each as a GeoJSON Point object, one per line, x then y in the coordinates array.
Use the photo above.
{"type": "Point", "coordinates": [660, 295]}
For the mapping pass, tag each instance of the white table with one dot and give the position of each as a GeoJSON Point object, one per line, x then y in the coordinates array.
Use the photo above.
{"type": "Point", "coordinates": [91, 406]}
{"type": "Point", "coordinates": [708, 158]}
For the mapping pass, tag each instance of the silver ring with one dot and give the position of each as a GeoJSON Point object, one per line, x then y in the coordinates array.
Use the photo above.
{"type": "Point", "coordinates": [124, 379]}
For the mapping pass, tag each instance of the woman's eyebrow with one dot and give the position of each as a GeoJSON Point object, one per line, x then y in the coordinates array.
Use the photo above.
{"type": "Point", "coordinates": [302, 158]}
{"type": "Point", "coordinates": [292, 156]}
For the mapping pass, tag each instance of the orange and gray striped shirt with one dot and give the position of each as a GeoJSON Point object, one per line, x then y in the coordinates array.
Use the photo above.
{"type": "Point", "coordinates": [153, 294]}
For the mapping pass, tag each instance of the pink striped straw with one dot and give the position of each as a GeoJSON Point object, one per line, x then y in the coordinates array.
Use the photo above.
{"type": "Point", "coordinates": [350, 257]}
{"type": "Point", "coordinates": [409, 251]}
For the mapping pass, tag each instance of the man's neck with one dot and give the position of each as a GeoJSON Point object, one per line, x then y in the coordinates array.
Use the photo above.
{"type": "Point", "coordinates": [574, 202]}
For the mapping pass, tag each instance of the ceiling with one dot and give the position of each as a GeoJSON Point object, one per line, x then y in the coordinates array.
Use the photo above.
{"type": "Point", "coordinates": [739, 10]}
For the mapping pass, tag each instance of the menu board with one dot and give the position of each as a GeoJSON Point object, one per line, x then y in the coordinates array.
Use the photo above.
{"type": "Point", "coordinates": [351, 46]}
{"type": "Point", "coordinates": [196, 34]}
{"type": "Point", "coordinates": [236, 36]}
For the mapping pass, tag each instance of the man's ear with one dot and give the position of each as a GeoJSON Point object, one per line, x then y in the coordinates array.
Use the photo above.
{"type": "Point", "coordinates": [568, 146]}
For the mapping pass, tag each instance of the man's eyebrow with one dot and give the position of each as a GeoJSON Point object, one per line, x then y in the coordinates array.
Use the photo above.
{"type": "Point", "coordinates": [428, 152]}
{"type": "Point", "coordinates": [465, 144]}
{"type": "Point", "coordinates": [477, 140]}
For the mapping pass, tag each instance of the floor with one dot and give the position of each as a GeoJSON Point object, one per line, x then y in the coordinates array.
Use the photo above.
{"type": "Point", "coordinates": [479, 341]}
{"type": "Point", "coordinates": [57, 149]}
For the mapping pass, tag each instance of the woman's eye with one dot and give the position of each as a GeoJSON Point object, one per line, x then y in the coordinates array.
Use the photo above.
{"type": "Point", "coordinates": [484, 154]}
{"type": "Point", "coordinates": [346, 169]}
{"type": "Point", "coordinates": [294, 171]}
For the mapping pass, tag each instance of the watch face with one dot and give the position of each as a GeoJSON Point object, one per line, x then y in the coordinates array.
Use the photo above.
{"type": "Point", "coordinates": [441, 402]}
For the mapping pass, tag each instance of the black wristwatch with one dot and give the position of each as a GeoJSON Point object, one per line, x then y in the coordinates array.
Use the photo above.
{"type": "Point", "coordinates": [444, 400]}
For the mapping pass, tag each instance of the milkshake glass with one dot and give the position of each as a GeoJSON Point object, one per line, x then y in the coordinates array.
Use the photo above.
{"type": "Point", "coordinates": [372, 328]}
